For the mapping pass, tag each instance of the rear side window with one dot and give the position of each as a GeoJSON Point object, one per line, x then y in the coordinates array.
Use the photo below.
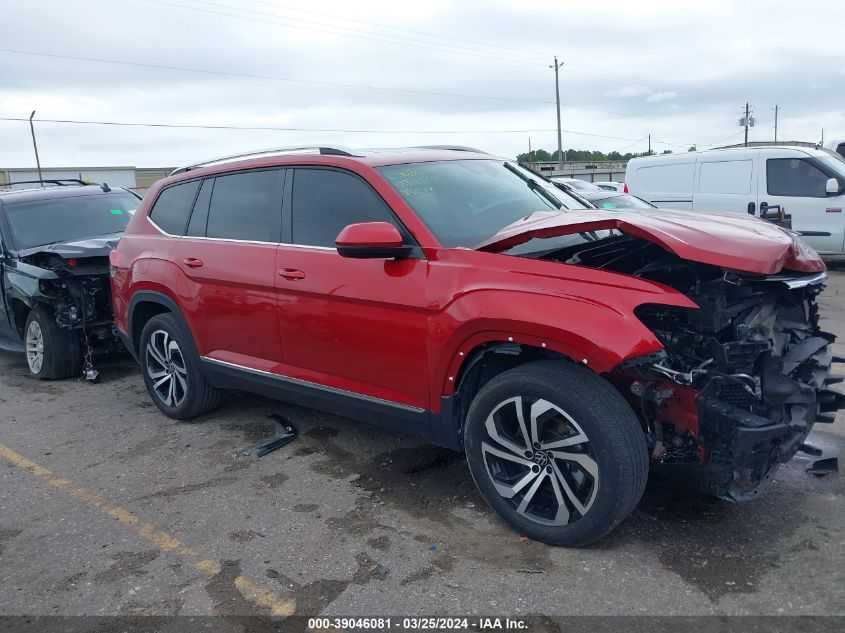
{"type": "Point", "coordinates": [170, 212]}
{"type": "Point", "coordinates": [325, 201]}
{"type": "Point", "coordinates": [199, 218]}
{"type": "Point", "coordinates": [795, 177]}
{"type": "Point", "coordinates": [727, 176]}
{"type": "Point", "coordinates": [247, 206]}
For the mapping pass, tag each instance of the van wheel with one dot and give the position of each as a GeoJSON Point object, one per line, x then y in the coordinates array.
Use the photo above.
{"type": "Point", "coordinates": [556, 451]}
{"type": "Point", "coordinates": [52, 353]}
{"type": "Point", "coordinates": [172, 372]}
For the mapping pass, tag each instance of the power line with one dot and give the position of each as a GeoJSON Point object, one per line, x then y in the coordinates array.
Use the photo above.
{"type": "Point", "coordinates": [536, 57]}
{"type": "Point", "coordinates": [102, 60]}
{"type": "Point", "coordinates": [533, 59]}
{"type": "Point", "coordinates": [336, 32]}
{"type": "Point", "coordinates": [332, 84]}
{"type": "Point", "coordinates": [304, 129]}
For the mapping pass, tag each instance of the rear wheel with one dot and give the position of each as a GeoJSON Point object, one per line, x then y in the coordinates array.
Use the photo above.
{"type": "Point", "coordinates": [52, 353]}
{"type": "Point", "coordinates": [556, 451]}
{"type": "Point", "coordinates": [172, 370]}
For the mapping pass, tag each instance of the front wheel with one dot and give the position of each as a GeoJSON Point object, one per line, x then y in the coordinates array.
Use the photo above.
{"type": "Point", "coordinates": [52, 353]}
{"type": "Point", "coordinates": [556, 451]}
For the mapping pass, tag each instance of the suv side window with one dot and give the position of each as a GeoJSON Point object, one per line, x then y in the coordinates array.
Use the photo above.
{"type": "Point", "coordinates": [247, 206]}
{"type": "Point", "coordinates": [171, 209]}
{"type": "Point", "coordinates": [325, 201]}
{"type": "Point", "coordinates": [796, 177]}
{"type": "Point", "coordinates": [199, 218]}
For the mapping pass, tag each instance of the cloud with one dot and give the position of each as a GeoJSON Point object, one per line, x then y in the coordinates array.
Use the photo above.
{"type": "Point", "coordinates": [657, 97]}
{"type": "Point", "coordinates": [626, 92]}
{"type": "Point", "coordinates": [623, 78]}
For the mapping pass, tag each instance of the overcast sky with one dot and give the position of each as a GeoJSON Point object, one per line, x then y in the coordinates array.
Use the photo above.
{"type": "Point", "coordinates": [678, 70]}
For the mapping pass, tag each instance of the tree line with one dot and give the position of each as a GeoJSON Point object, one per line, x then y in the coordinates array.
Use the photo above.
{"type": "Point", "coordinates": [579, 155]}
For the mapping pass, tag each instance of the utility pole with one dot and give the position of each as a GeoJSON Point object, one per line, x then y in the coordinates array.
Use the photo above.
{"type": "Point", "coordinates": [557, 100]}
{"type": "Point", "coordinates": [649, 144]}
{"type": "Point", "coordinates": [747, 121]}
{"type": "Point", "coordinates": [776, 123]}
{"type": "Point", "coordinates": [35, 146]}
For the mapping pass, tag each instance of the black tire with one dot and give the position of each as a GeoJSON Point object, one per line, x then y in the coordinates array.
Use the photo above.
{"type": "Point", "coordinates": [55, 353]}
{"type": "Point", "coordinates": [614, 449]}
{"type": "Point", "coordinates": [193, 395]}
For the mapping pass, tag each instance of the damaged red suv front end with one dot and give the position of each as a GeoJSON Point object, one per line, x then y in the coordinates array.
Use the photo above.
{"type": "Point", "coordinates": [743, 377]}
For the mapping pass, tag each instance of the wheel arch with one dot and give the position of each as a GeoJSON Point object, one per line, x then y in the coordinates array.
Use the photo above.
{"type": "Point", "coordinates": [476, 367]}
{"type": "Point", "coordinates": [146, 304]}
{"type": "Point", "coordinates": [485, 355]}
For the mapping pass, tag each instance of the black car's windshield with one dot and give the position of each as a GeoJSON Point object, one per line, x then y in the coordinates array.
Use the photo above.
{"type": "Point", "coordinates": [464, 202]}
{"type": "Point", "coordinates": [41, 222]}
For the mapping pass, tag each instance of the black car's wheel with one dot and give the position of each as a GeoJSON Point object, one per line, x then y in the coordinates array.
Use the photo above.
{"type": "Point", "coordinates": [171, 368]}
{"type": "Point", "coordinates": [52, 353]}
{"type": "Point", "coordinates": [556, 451]}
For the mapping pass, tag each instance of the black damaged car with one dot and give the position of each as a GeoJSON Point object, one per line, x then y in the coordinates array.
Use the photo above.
{"type": "Point", "coordinates": [55, 300]}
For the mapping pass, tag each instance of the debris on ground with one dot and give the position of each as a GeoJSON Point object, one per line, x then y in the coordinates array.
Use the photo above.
{"type": "Point", "coordinates": [822, 467]}
{"type": "Point", "coordinates": [287, 434]}
{"type": "Point", "coordinates": [272, 573]}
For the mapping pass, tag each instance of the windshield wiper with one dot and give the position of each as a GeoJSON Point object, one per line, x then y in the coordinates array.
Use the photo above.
{"type": "Point", "coordinates": [535, 186]}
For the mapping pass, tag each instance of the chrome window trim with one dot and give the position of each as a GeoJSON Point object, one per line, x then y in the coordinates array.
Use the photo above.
{"type": "Point", "coordinates": [315, 385]}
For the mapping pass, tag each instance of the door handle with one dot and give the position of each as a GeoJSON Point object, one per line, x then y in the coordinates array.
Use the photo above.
{"type": "Point", "coordinates": [291, 274]}
{"type": "Point", "coordinates": [751, 208]}
{"type": "Point", "coordinates": [192, 262]}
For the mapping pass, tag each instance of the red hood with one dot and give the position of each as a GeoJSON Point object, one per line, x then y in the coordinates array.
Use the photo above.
{"type": "Point", "coordinates": [729, 241]}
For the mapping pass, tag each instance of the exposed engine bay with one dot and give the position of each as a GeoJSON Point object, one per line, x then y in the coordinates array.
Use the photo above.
{"type": "Point", "coordinates": [740, 381]}
{"type": "Point", "coordinates": [79, 296]}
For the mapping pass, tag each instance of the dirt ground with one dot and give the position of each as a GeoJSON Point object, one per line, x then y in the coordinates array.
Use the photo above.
{"type": "Point", "coordinates": [108, 507]}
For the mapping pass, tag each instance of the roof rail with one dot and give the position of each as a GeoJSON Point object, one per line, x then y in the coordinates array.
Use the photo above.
{"type": "Point", "coordinates": [453, 148]}
{"type": "Point", "coordinates": [61, 182]}
{"type": "Point", "coordinates": [321, 149]}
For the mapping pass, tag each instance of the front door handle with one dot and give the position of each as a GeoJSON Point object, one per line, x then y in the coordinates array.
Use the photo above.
{"type": "Point", "coordinates": [192, 262]}
{"type": "Point", "coordinates": [751, 208]}
{"type": "Point", "coordinates": [291, 274]}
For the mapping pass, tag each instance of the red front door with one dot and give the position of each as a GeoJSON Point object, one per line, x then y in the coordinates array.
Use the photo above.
{"type": "Point", "coordinates": [359, 325]}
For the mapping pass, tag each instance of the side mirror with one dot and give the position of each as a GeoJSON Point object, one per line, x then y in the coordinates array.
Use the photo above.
{"type": "Point", "coordinates": [831, 187]}
{"type": "Point", "coordinates": [372, 240]}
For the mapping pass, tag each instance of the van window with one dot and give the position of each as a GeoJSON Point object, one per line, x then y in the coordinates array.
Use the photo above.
{"type": "Point", "coordinates": [247, 206]}
{"type": "Point", "coordinates": [670, 178]}
{"type": "Point", "coordinates": [325, 202]}
{"type": "Point", "coordinates": [728, 176]}
{"type": "Point", "coordinates": [171, 209]}
{"type": "Point", "coordinates": [796, 177]}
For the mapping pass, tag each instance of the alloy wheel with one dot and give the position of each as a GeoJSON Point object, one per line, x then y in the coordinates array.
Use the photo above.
{"type": "Point", "coordinates": [34, 347]}
{"type": "Point", "coordinates": [166, 368]}
{"type": "Point", "coordinates": [540, 460]}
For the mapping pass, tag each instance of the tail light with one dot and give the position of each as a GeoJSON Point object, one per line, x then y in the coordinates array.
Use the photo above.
{"type": "Point", "coordinates": [625, 188]}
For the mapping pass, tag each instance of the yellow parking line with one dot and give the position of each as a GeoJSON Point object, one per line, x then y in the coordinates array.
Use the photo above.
{"type": "Point", "coordinates": [150, 532]}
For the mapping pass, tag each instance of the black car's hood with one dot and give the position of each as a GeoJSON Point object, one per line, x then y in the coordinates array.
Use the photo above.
{"type": "Point", "coordinates": [76, 249]}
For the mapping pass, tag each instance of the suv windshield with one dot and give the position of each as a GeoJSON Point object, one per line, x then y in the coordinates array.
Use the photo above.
{"type": "Point", "coordinates": [41, 222]}
{"type": "Point", "coordinates": [464, 202]}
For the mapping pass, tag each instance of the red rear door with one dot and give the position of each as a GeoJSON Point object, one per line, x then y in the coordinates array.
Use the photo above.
{"type": "Point", "coordinates": [228, 257]}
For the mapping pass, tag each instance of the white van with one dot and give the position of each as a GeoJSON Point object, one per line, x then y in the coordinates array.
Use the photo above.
{"type": "Point", "coordinates": [806, 183]}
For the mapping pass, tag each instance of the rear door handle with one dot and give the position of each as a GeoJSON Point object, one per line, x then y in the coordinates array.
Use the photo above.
{"type": "Point", "coordinates": [192, 262]}
{"type": "Point", "coordinates": [291, 274]}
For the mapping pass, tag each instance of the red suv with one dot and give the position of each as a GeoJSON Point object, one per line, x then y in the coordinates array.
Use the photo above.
{"type": "Point", "coordinates": [459, 296]}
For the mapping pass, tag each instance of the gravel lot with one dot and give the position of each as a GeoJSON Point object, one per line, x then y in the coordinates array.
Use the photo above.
{"type": "Point", "coordinates": [107, 507]}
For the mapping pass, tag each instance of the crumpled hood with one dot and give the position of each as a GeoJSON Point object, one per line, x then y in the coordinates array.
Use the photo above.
{"type": "Point", "coordinates": [732, 241]}
{"type": "Point", "coordinates": [77, 249]}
